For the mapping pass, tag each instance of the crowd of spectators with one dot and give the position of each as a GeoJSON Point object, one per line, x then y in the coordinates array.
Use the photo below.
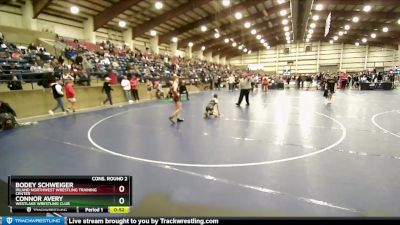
{"type": "Point", "coordinates": [83, 61]}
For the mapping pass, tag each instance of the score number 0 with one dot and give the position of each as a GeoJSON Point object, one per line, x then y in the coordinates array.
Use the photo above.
{"type": "Point", "coordinates": [121, 200]}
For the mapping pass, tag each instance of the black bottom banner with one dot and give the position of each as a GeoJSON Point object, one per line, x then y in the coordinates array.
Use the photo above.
{"type": "Point", "coordinates": [211, 221]}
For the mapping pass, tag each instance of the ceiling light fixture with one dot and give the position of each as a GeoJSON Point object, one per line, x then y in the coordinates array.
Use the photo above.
{"type": "Point", "coordinates": [364, 40]}
{"type": "Point", "coordinates": [373, 35]}
{"type": "Point", "coordinates": [285, 21]}
{"type": "Point", "coordinates": [203, 28]}
{"type": "Point", "coordinates": [355, 19]}
{"type": "Point", "coordinates": [286, 28]}
{"type": "Point", "coordinates": [357, 44]}
{"type": "Point", "coordinates": [238, 15]}
{"type": "Point", "coordinates": [234, 44]}
{"type": "Point", "coordinates": [226, 40]}
{"type": "Point", "coordinates": [174, 39]}
{"type": "Point", "coordinates": [340, 33]}
{"type": "Point", "coordinates": [153, 33]}
{"type": "Point", "coordinates": [315, 17]}
{"type": "Point", "coordinates": [203, 48]}
{"type": "Point", "coordinates": [158, 5]}
{"type": "Point", "coordinates": [313, 25]}
{"type": "Point", "coordinates": [122, 24]}
{"type": "Point", "coordinates": [319, 7]}
{"type": "Point", "coordinates": [335, 38]}
{"type": "Point", "coordinates": [262, 41]}
{"type": "Point", "coordinates": [347, 27]}
{"type": "Point", "coordinates": [226, 3]}
{"type": "Point", "coordinates": [247, 24]}
{"type": "Point", "coordinates": [74, 9]}
{"type": "Point", "coordinates": [310, 31]}
{"type": "Point", "coordinates": [330, 41]}
{"type": "Point", "coordinates": [216, 35]}
{"type": "Point", "coordinates": [283, 12]}
{"type": "Point", "coordinates": [253, 32]}
{"type": "Point", "coordinates": [190, 44]}
{"type": "Point", "coordinates": [258, 36]}
{"type": "Point", "coordinates": [385, 29]}
{"type": "Point", "coordinates": [367, 8]}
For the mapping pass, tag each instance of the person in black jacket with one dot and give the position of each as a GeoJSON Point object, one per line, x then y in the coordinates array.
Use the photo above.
{"type": "Point", "coordinates": [58, 95]}
{"type": "Point", "coordinates": [183, 89]}
{"type": "Point", "coordinates": [15, 84]}
{"type": "Point", "coordinates": [6, 108]}
{"type": "Point", "coordinates": [107, 89]}
{"type": "Point", "coordinates": [7, 116]}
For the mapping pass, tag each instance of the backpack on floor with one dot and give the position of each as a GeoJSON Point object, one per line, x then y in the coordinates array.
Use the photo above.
{"type": "Point", "coordinates": [8, 121]}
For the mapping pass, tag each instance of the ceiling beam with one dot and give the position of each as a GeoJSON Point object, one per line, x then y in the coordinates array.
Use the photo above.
{"type": "Point", "coordinates": [250, 43]}
{"type": "Point", "coordinates": [39, 6]}
{"type": "Point", "coordinates": [378, 41]}
{"type": "Point", "coordinates": [168, 15]}
{"type": "Point", "coordinates": [165, 38]}
{"type": "Point", "coordinates": [110, 13]}
{"type": "Point", "coordinates": [227, 26]}
{"type": "Point", "coordinates": [294, 8]}
{"type": "Point", "coordinates": [305, 6]}
{"type": "Point", "coordinates": [367, 32]}
{"type": "Point", "coordinates": [349, 14]}
{"type": "Point", "coordinates": [253, 45]}
{"type": "Point", "coordinates": [358, 2]}
{"type": "Point", "coordinates": [240, 34]}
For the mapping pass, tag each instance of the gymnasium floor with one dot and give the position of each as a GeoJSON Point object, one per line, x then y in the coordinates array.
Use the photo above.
{"type": "Point", "coordinates": [287, 154]}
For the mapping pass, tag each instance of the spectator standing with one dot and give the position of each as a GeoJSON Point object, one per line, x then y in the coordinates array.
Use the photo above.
{"type": "Point", "coordinates": [245, 86]}
{"type": "Point", "coordinates": [183, 89]}
{"type": "Point", "coordinates": [126, 86]}
{"type": "Point", "coordinates": [58, 95]}
{"type": "Point", "coordinates": [70, 94]}
{"type": "Point", "coordinates": [107, 89]}
{"type": "Point", "coordinates": [231, 82]}
{"type": "Point", "coordinates": [265, 84]}
{"type": "Point", "coordinates": [343, 81]}
{"type": "Point", "coordinates": [149, 86]}
{"type": "Point", "coordinates": [1, 38]}
{"type": "Point", "coordinates": [134, 88]}
{"type": "Point", "coordinates": [87, 69]}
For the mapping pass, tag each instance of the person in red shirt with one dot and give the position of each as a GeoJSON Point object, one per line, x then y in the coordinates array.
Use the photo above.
{"type": "Point", "coordinates": [134, 88]}
{"type": "Point", "coordinates": [343, 80]}
{"type": "Point", "coordinates": [70, 94]}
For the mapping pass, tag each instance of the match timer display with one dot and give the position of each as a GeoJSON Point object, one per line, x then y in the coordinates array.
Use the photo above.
{"type": "Point", "coordinates": [96, 194]}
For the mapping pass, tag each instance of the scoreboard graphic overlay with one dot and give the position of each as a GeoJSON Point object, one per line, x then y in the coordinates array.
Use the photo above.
{"type": "Point", "coordinates": [86, 194]}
